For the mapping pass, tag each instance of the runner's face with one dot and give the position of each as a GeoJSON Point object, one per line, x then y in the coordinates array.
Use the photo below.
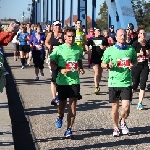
{"type": "Point", "coordinates": [38, 30]}
{"type": "Point", "coordinates": [121, 36]}
{"type": "Point", "coordinates": [79, 24]}
{"type": "Point", "coordinates": [97, 32]}
{"type": "Point", "coordinates": [142, 34]}
{"type": "Point", "coordinates": [57, 28]}
{"type": "Point", "coordinates": [70, 37]}
{"type": "Point", "coordinates": [106, 33]}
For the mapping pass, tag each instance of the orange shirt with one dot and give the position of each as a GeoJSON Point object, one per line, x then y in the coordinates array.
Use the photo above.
{"type": "Point", "coordinates": [5, 38]}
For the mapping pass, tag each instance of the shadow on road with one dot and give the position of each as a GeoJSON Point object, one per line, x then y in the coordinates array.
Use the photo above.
{"type": "Point", "coordinates": [22, 137]}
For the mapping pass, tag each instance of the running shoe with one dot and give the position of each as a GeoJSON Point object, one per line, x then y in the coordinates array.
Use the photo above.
{"type": "Point", "coordinates": [55, 101]}
{"type": "Point", "coordinates": [97, 90]}
{"type": "Point", "coordinates": [140, 106]}
{"type": "Point", "coordinates": [42, 74]}
{"type": "Point", "coordinates": [59, 122]}
{"type": "Point", "coordinates": [116, 132]}
{"type": "Point", "coordinates": [22, 67]}
{"type": "Point", "coordinates": [37, 79]}
{"type": "Point", "coordinates": [68, 133]}
{"type": "Point", "coordinates": [124, 128]}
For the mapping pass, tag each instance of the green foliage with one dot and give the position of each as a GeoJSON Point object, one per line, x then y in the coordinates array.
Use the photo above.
{"type": "Point", "coordinates": [141, 9]}
{"type": "Point", "coordinates": [102, 20]}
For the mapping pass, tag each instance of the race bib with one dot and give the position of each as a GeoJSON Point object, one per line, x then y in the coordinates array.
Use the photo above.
{"type": "Point", "coordinates": [78, 38]}
{"type": "Point", "coordinates": [38, 47]}
{"type": "Point", "coordinates": [123, 63]}
{"type": "Point", "coordinates": [142, 58]}
{"type": "Point", "coordinates": [97, 42]}
{"type": "Point", "coordinates": [72, 65]}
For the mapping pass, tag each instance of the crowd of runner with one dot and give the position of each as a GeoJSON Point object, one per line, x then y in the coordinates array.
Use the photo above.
{"type": "Point", "coordinates": [124, 53]}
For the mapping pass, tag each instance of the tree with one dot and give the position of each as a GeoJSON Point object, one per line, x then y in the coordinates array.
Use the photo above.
{"type": "Point", "coordinates": [102, 21]}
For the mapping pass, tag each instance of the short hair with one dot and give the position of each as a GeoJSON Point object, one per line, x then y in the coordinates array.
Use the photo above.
{"type": "Point", "coordinates": [78, 20]}
{"type": "Point", "coordinates": [120, 29]}
{"type": "Point", "coordinates": [69, 29]}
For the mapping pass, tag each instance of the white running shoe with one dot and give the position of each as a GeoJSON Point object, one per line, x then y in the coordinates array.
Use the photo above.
{"type": "Point", "coordinates": [116, 132]}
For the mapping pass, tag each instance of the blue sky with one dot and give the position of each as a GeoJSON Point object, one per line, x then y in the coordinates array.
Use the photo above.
{"type": "Point", "coordinates": [14, 8]}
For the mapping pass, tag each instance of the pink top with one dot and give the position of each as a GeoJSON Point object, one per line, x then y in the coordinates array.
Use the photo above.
{"type": "Point", "coordinates": [89, 36]}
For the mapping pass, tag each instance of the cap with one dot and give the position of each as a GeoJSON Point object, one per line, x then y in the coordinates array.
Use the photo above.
{"type": "Point", "coordinates": [112, 26]}
{"type": "Point", "coordinates": [130, 26]}
{"type": "Point", "coordinates": [91, 29]}
{"type": "Point", "coordinates": [55, 23]}
{"type": "Point", "coordinates": [97, 28]}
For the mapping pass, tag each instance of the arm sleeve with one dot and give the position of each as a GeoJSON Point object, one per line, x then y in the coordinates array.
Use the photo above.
{"type": "Point", "coordinates": [5, 38]}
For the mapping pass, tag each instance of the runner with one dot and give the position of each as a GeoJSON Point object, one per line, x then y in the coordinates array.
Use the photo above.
{"type": "Point", "coordinates": [16, 44]}
{"type": "Point", "coordinates": [141, 71]}
{"type": "Point", "coordinates": [69, 59]}
{"type": "Point", "coordinates": [53, 40]}
{"type": "Point", "coordinates": [120, 58]}
{"type": "Point", "coordinates": [48, 30]}
{"type": "Point", "coordinates": [90, 35]}
{"type": "Point", "coordinates": [112, 33]}
{"type": "Point", "coordinates": [38, 52]}
{"type": "Point", "coordinates": [80, 36]}
{"type": "Point", "coordinates": [99, 44]}
{"type": "Point", "coordinates": [23, 47]}
{"type": "Point", "coordinates": [110, 39]}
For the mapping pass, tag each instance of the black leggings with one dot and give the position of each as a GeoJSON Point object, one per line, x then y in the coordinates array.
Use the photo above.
{"type": "Point", "coordinates": [38, 59]}
{"type": "Point", "coordinates": [140, 75]}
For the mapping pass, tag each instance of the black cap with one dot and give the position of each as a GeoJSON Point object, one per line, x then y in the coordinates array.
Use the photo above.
{"type": "Point", "coordinates": [130, 26]}
{"type": "Point", "coordinates": [112, 26]}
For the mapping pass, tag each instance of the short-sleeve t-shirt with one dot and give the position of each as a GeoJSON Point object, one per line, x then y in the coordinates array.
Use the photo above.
{"type": "Point", "coordinates": [22, 37]}
{"type": "Point", "coordinates": [142, 60]}
{"type": "Point", "coordinates": [120, 74]}
{"type": "Point", "coordinates": [67, 57]}
{"type": "Point", "coordinates": [80, 38]}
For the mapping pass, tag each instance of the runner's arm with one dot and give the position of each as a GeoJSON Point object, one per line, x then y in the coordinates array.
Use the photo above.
{"type": "Point", "coordinates": [47, 41]}
{"type": "Point", "coordinates": [105, 59]}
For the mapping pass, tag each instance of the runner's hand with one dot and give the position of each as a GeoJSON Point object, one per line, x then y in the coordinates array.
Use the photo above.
{"type": "Point", "coordinates": [141, 52]}
{"type": "Point", "coordinates": [111, 64]}
{"type": "Point", "coordinates": [147, 52]}
{"type": "Point", "coordinates": [81, 71]}
{"type": "Point", "coordinates": [64, 71]}
{"type": "Point", "coordinates": [60, 41]}
{"type": "Point", "coordinates": [131, 66]}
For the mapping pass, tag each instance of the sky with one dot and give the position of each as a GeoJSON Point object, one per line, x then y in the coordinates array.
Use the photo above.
{"type": "Point", "coordinates": [14, 8]}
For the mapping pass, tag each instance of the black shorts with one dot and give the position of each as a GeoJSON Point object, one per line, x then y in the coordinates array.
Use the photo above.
{"type": "Point", "coordinates": [54, 75]}
{"type": "Point", "coordinates": [122, 93]}
{"type": "Point", "coordinates": [24, 48]}
{"type": "Point", "coordinates": [68, 91]}
{"type": "Point", "coordinates": [96, 60]}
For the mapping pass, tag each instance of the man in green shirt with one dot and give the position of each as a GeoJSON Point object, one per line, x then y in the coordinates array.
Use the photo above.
{"type": "Point", "coordinates": [68, 58]}
{"type": "Point", "coordinates": [120, 58]}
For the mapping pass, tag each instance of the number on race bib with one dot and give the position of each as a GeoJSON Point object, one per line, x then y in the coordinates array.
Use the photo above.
{"type": "Point", "coordinates": [123, 63]}
{"type": "Point", "coordinates": [142, 58]}
{"type": "Point", "coordinates": [72, 65]}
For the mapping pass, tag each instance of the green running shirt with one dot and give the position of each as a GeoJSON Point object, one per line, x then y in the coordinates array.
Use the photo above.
{"type": "Point", "coordinates": [120, 74]}
{"type": "Point", "coordinates": [67, 57]}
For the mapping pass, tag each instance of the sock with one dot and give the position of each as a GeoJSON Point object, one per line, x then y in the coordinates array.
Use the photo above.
{"type": "Point", "coordinates": [22, 61]}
